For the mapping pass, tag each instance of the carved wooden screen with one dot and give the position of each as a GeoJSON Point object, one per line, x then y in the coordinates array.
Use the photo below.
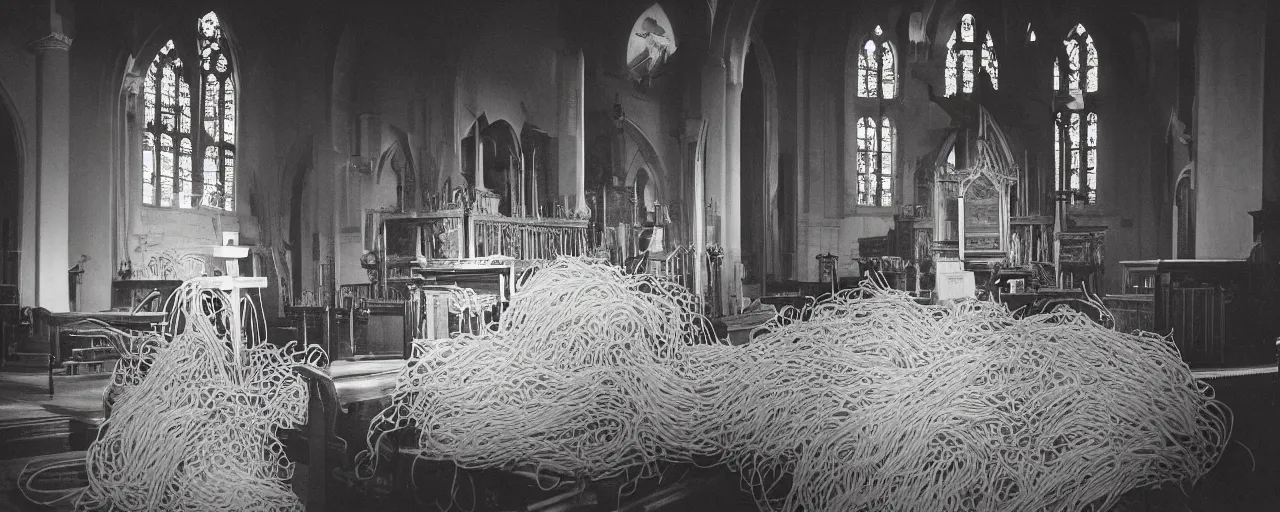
{"type": "Point", "coordinates": [982, 219]}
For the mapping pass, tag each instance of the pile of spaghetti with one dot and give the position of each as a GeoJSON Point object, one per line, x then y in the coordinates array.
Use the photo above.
{"type": "Point", "coordinates": [867, 401]}
{"type": "Point", "coordinates": [193, 428]}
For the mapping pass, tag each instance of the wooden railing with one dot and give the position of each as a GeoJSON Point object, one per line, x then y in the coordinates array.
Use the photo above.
{"type": "Point", "coordinates": [675, 266]}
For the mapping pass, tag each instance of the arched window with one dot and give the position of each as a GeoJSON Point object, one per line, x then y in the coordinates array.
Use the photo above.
{"type": "Point", "coordinates": [166, 169]}
{"type": "Point", "coordinates": [169, 145]}
{"type": "Point", "coordinates": [963, 51]}
{"type": "Point", "coordinates": [875, 162]}
{"type": "Point", "coordinates": [876, 74]}
{"type": "Point", "coordinates": [651, 43]}
{"type": "Point", "coordinates": [1076, 123]}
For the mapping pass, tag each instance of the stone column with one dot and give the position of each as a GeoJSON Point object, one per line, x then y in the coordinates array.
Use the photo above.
{"type": "Point", "coordinates": [695, 133]}
{"type": "Point", "coordinates": [714, 82]}
{"type": "Point", "coordinates": [53, 181]}
{"type": "Point", "coordinates": [572, 140]}
{"type": "Point", "coordinates": [733, 190]}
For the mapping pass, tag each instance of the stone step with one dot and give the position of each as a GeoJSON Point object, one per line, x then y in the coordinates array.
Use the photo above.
{"type": "Point", "coordinates": [35, 446]}
{"type": "Point", "coordinates": [29, 360]}
{"type": "Point", "coordinates": [44, 436]}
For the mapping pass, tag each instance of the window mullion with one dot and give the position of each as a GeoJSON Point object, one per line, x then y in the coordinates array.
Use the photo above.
{"type": "Point", "coordinates": [222, 157]}
{"type": "Point", "coordinates": [879, 167]}
{"type": "Point", "coordinates": [198, 134]}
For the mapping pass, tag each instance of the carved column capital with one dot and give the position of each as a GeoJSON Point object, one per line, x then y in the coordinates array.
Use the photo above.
{"type": "Point", "coordinates": [132, 84]}
{"type": "Point", "coordinates": [53, 41]}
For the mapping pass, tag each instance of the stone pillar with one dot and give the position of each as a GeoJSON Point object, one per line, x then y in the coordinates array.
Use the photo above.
{"type": "Point", "coordinates": [733, 190]}
{"type": "Point", "coordinates": [53, 134]}
{"type": "Point", "coordinates": [714, 82]}
{"type": "Point", "coordinates": [695, 137]}
{"type": "Point", "coordinates": [572, 139]}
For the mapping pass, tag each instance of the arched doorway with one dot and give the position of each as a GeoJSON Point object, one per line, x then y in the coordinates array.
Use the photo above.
{"type": "Point", "coordinates": [10, 198]}
{"type": "Point", "coordinates": [646, 196]}
{"type": "Point", "coordinates": [1184, 214]}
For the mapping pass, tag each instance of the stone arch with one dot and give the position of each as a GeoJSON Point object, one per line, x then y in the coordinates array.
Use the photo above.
{"type": "Point", "coordinates": [398, 157]}
{"type": "Point", "coordinates": [1184, 213]}
{"type": "Point", "coordinates": [655, 168]}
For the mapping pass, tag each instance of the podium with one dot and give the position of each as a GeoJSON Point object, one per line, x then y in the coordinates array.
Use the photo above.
{"type": "Point", "coordinates": [233, 285]}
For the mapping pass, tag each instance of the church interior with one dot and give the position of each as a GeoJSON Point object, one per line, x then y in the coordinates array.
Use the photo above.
{"type": "Point", "coordinates": [572, 255]}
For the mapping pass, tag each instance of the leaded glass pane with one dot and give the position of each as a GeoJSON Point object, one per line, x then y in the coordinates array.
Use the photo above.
{"type": "Point", "coordinates": [229, 179]}
{"type": "Point", "coordinates": [888, 79]}
{"type": "Point", "coordinates": [866, 160]}
{"type": "Point", "coordinates": [1091, 60]}
{"type": "Point", "coordinates": [166, 169]}
{"type": "Point", "coordinates": [168, 97]}
{"type": "Point", "coordinates": [1091, 173]}
{"type": "Point", "coordinates": [864, 176]}
{"type": "Point", "coordinates": [867, 71]}
{"type": "Point", "coordinates": [990, 63]}
{"type": "Point", "coordinates": [210, 175]}
{"type": "Point", "coordinates": [966, 71]}
{"type": "Point", "coordinates": [210, 40]}
{"type": "Point", "coordinates": [966, 28]}
{"type": "Point", "coordinates": [228, 112]}
{"type": "Point", "coordinates": [886, 135]}
{"type": "Point", "coordinates": [149, 95]}
{"type": "Point", "coordinates": [1073, 65]}
{"type": "Point", "coordinates": [212, 126]}
{"type": "Point", "coordinates": [1073, 131]}
{"type": "Point", "coordinates": [1057, 155]}
{"type": "Point", "coordinates": [148, 168]}
{"type": "Point", "coordinates": [951, 75]}
{"type": "Point", "coordinates": [886, 162]}
{"type": "Point", "coordinates": [1091, 132]}
{"type": "Point", "coordinates": [866, 134]}
{"type": "Point", "coordinates": [184, 105]}
{"type": "Point", "coordinates": [185, 190]}
{"type": "Point", "coordinates": [1057, 75]}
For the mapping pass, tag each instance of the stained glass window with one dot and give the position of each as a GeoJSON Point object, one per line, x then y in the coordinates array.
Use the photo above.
{"type": "Point", "coordinates": [172, 108]}
{"type": "Point", "coordinates": [219, 115]}
{"type": "Point", "coordinates": [966, 56]}
{"type": "Point", "coordinates": [989, 62]}
{"type": "Point", "coordinates": [1075, 73]}
{"type": "Point", "coordinates": [167, 118]}
{"type": "Point", "coordinates": [875, 161]}
{"type": "Point", "coordinates": [876, 77]}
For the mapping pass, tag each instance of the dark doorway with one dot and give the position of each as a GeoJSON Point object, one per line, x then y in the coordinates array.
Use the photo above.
{"type": "Point", "coordinates": [753, 198]}
{"type": "Point", "coordinates": [10, 199]}
{"type": "Point", "coordinates": [295, 230]}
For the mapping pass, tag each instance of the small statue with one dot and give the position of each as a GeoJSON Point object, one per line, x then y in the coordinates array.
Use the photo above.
{"type": "Point", "coordinates": [369, 261]}
{"type": "Point", "coordinates": [441, 249]}
{"type": "Point", "coordinates": [125, 272]}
